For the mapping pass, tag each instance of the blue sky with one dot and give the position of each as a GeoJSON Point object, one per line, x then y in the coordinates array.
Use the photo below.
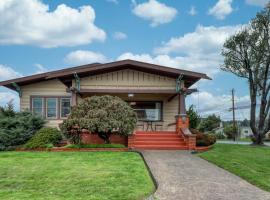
{"type": "Point", "coordinates": [38, 36]}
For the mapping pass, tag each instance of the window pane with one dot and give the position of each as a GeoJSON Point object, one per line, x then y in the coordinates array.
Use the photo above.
{"type": "Point", "coordinates": [37, 106]}
{"type": "Point", "coordinates": [147, 110]}
{"type": "Point", "coordinates": [51, 107]}
{"type": "Point", "coordinates": [65, 107]}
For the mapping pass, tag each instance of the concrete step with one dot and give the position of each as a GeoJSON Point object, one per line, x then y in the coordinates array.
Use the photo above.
{"type": "Point", "coordinates": [158, 139]}
{"type": "Point", "coordinates": [161, 147]}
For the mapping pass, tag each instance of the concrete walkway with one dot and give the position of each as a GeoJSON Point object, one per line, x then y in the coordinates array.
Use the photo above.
{"type": "Point", "coordinates": [181, 175]}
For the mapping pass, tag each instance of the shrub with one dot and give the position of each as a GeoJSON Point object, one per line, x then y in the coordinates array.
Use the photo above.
{"type": "Point", "coordinates": [16, 128]}
{"type": "Point", "coordinates": [45, 137]}
{"type": "Point", "coordinates": [204, 139]}
{"type": "Point", "coordinates": [220, 136]}
{"type": "Point", "coordinates": [95, 146]}
{"type": "Point", "coordinates": [103, 115]}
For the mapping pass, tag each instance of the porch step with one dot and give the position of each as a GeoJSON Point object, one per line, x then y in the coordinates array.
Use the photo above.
{"type": "Point", "coordinates": [175, 142]}
{"type": "Point", "coordinates": [161, 147]}
{"type": "Point", "coordinates": [159, 140]}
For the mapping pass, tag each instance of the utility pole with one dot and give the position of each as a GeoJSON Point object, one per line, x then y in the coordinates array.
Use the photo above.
{"type": "Point", "coordinates": [233, 111]}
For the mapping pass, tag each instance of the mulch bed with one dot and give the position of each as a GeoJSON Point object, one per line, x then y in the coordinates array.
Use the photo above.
{"type": "Point", "coordinates": [62, 149]}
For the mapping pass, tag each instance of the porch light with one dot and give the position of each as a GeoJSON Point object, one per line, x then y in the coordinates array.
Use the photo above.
{"type": "Point", "coordinates": [130, 95]}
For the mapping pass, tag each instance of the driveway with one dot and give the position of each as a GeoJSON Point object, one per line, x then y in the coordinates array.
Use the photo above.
{"type": "Point", "coordinates": [181, 175]}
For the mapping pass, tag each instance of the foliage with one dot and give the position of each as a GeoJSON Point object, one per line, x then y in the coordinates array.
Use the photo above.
{"type": "Point", "coordinates": [77, 146]}
{"type": "Point", "coordinates": [203, 139]}
{"type": "Point", "coordinates": [74, 175]}
{"type": "Point", "coordinates": [194, 118]}
{"type": "Point", "coordinates": [17, 127]}
{"type": "Point", "coordinates": [45, 137]}
{"type": "Point", "coordinates": [247, 55]}
{"type": "Point", "coordinates": [249, 162]}
{"type": "Point", "coordinates": [220, 136]}
{"type": "Point", "coordinates": [102, 115]}
{"type": "Point", "coordinates": [209, 123]}
{"type": "Point", "coordinates": [230, 131]}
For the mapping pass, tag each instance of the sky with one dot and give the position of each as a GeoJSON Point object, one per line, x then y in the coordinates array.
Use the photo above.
{"type": "Point", "coordinates": [44, 35]}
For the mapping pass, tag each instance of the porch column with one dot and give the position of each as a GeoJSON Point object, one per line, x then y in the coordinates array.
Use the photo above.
{"type": "Point", "coordinates": [182, 120]}
{"type": "Point", "coordinates": [73, 98]}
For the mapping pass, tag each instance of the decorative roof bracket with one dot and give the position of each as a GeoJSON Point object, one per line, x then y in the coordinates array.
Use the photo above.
{"type": "Point", "coordinates": [77, 81]}
{"type": "Point", "coordinates": [17, 88]}
{"type": "Point", "coordinates": [180, 84]}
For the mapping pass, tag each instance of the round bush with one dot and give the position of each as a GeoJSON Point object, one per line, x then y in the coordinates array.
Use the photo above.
{"type": "Point", "coordinates": [45, 137]}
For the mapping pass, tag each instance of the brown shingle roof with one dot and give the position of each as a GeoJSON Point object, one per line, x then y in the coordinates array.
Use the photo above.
{"type": "Point", "coordinates": [66, 75]}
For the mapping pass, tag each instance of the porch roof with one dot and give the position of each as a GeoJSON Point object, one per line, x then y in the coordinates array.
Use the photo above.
{"type": "Point", "coordinates": [66, 75]}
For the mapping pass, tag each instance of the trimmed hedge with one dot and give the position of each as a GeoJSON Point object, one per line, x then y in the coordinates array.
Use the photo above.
{"type": "Point", "coordinates": [77, 146]}
{"type": "Point", "coordinates": [46, 137]}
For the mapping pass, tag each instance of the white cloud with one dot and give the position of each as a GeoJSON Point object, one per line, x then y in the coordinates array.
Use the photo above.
{"type": "Point", "coordinates": [6, 97]}
{"type": "Point", "coordinates": [192, 11]}
{"type": "Point", "coordinates": [113, 1]}
{"type": "Point", "coordinates": [261, 3]}
{"type": "Point", "coordinates": [119, 36]}
{"type": "Point", "coordinates": [154, 11]}
{"type": "Point", "coordinates": [200, 50]}
{"type": "Point", "coordinates": [81, 57]}
{"type": "Point", "coordinates": [205, 39]}
{"type": "Point", "coordinates": [31, 22]}
{"type": "Point", "coordinates": [40, 68]}
{"type": "Point", "coordinates": [219, 104]}
{"type": "Point", "coordinates": [8, 73]}
{"type": "Point", "coordinates": [221, 9]}
{"type": "Point", "coordinates": [198, 64]}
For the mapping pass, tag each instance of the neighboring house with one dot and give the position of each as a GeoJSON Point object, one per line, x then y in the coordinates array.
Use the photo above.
{"type": "Point", "coordinates": [245, 132]}
{"type": "Point", "coordinates": [149, 89]}
{"type": "Point", "coordinates": [219, 130]}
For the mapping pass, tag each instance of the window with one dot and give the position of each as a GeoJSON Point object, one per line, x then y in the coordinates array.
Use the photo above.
{"type": "Point", "coordinates": [37, 106]}
{"type": "Point", "coordinates": [65, 107]}
{"type": "Point", "coordinates": [51, 107]}
{"type": "Point", "coordinates": [147, 110]}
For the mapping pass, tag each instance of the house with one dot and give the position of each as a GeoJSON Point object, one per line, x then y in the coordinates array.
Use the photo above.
{"type": "Point", "coordinates": [220, 129]}
{"type": "Point", "coordinates": [245, 132]}
{"type": "Point", "coordinates": [157, 93]}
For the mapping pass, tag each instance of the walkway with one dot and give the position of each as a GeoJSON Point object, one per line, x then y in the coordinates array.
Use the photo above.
{"type": "Point", "coordinates": [181, 175]}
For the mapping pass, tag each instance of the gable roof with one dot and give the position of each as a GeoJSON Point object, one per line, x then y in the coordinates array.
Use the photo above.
{"type": "Point", "coordinates": [66, 75]}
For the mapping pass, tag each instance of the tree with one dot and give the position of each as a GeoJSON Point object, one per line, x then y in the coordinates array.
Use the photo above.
{"type": "Point", "coordinates": [194, 118]}
{"type": "Point", "coordinates": [16, 128]}
{"type": "Point", "coordinates": [247, 55]}
{"type": "Point", "coordinates": [103, 115]}
{"type": "Point", "coordinates": [209, 123]}
{"type": "Point", "coordinates": [229, 131]}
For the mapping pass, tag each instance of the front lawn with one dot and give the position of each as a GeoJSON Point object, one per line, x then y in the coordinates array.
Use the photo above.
{"type": "Point", "coordinates": [249, 162]}
{"type": "Point", "coordinates": [87, 175]}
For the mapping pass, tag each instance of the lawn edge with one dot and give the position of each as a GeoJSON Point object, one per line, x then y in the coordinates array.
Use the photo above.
{"type": "Point", "coordinates": [243, 178]}
{"type": "Point", "coordinates": [150, 173]}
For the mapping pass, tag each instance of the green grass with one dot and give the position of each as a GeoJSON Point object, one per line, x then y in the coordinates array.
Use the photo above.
{"type": "Point", "coordinates": [95, 146]}
{"type": "Point", "coordinates": [249, 162]}
{"type": "Point", "coordinates": [73, 175]}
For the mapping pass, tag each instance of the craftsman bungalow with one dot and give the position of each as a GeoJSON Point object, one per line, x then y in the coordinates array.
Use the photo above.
{"type": "Point", "coordinates": [157, 93]}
